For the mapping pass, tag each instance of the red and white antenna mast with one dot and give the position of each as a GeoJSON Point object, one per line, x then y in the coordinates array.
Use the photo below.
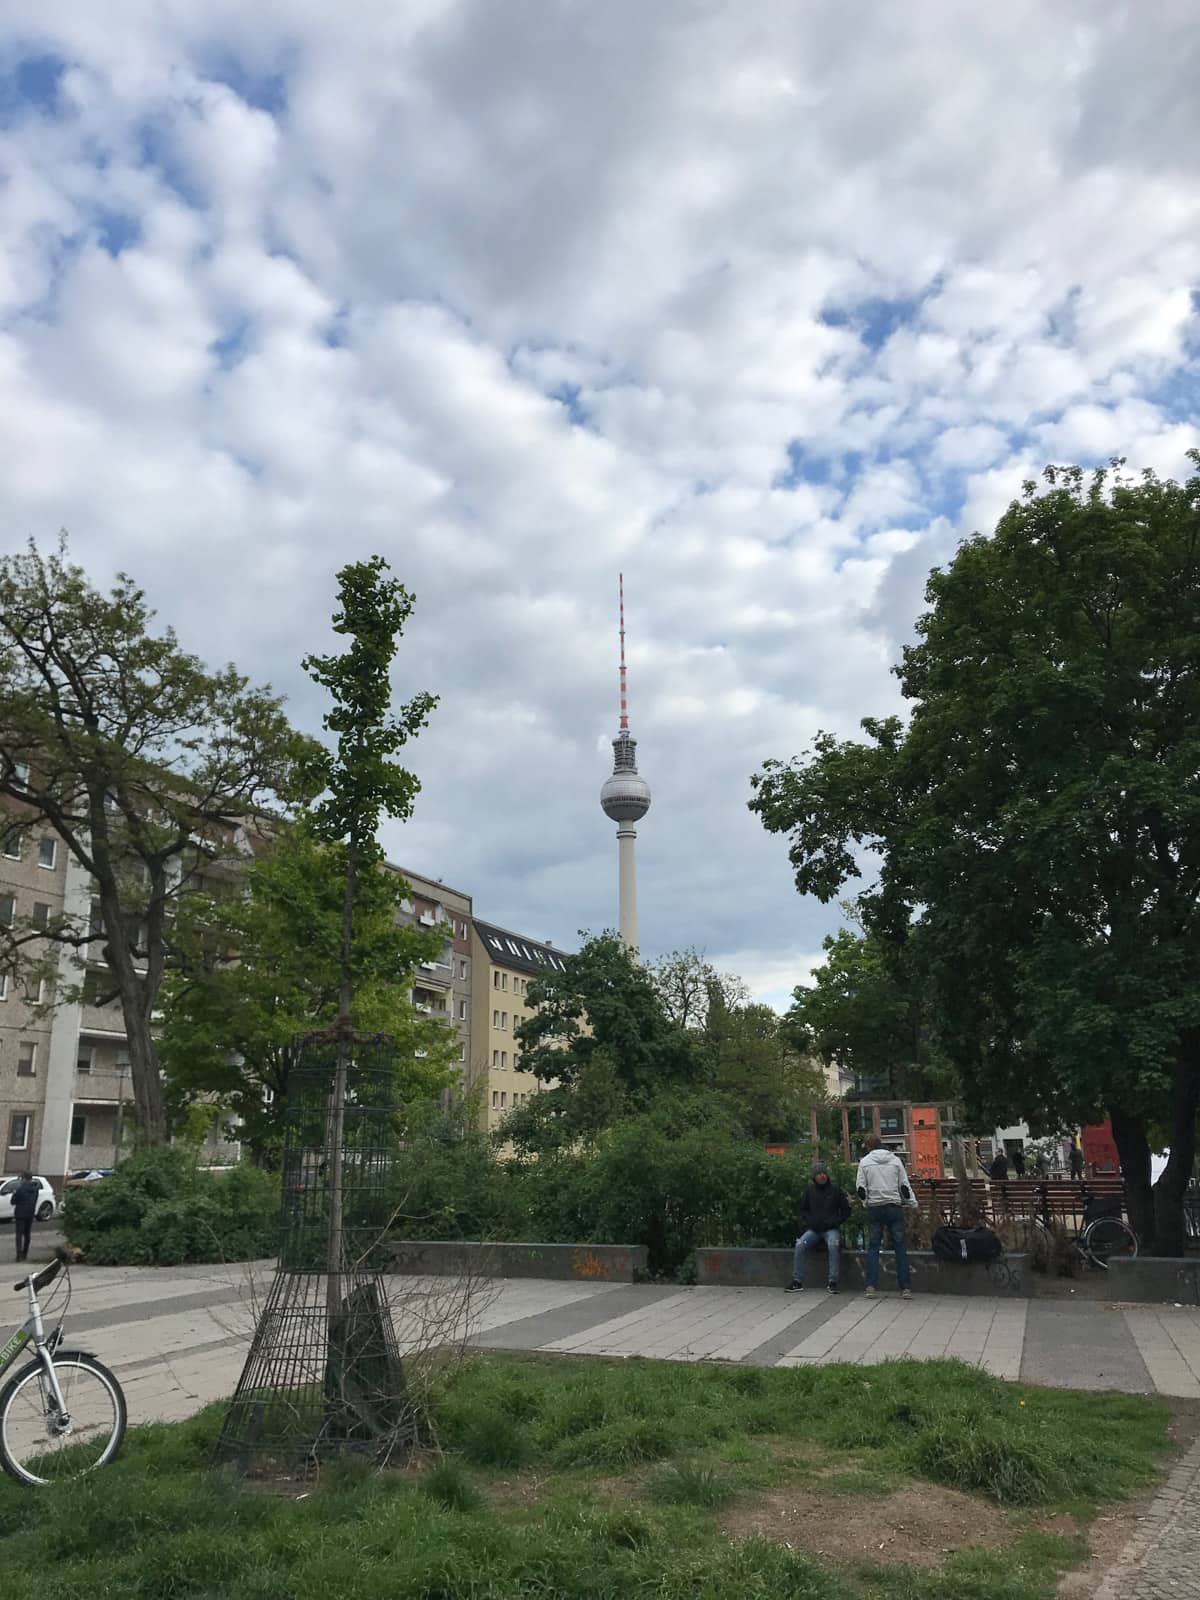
{"type": "Point", "coordinates": [624, 689]}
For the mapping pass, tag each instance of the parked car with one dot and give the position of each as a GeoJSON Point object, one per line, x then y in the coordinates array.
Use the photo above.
{"type": "Point", "coordinates": [88, 1175]}
{"type": "Point", "coordinates": [47, 1205]}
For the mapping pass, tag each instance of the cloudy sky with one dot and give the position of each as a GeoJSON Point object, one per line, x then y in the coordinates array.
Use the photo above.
{"type": "Point", "coordinates": [765, 304]}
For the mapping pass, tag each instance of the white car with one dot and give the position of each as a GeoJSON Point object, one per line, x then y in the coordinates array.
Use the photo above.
{"type": "Point", "coordinates": [47, 1204]}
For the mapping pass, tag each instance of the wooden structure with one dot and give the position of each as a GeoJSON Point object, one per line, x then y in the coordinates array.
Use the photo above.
{"type": "Point", "coordinates": [920, 1132]}
{"type": "Point", "coordinates": [1005, 1199]}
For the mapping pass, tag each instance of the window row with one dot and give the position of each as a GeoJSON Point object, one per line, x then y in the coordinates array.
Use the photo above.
{"type": "Point", "coordinates": [500, 981]}
{"type": "Point", "coordinates": [500, 1099]}
{"type": "Point", "coordinates": [39, 916]}
{"type": "Point", "coordinates": [47, 849]}
{"type": "Point", "coordinates": [35, 989]}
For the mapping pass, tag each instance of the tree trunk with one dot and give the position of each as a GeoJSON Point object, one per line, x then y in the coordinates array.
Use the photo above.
{"type": "Point", "coordinates": [337, 1104]}
{"type": "Point", "coordinates": [1169, 1191]}
{"type": "Point", "coordinates": [1129, 1135]}
{"type": "Point", "coordinates": [137, 1004]}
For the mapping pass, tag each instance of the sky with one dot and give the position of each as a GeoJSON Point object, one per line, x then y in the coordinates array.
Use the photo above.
{"type": "Point", "coordinates": [766, 306]}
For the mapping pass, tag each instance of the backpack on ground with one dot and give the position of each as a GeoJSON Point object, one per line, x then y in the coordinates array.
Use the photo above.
{"type": "Point", "coordinates": [965, 1244]}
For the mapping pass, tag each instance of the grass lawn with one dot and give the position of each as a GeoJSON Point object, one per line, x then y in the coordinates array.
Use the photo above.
{"type": "Point", "coordinates": [592, 1480]}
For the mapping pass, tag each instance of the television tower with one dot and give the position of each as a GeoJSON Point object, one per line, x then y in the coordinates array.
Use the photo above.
{"type": "Point", "coordinates": [625, 798]}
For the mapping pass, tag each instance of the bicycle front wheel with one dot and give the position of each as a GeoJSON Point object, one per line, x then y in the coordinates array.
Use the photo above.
{"type": "Point", "coordinates": [1107, 1239]}
{"type": "Point", "coordinates": [38, 1443]}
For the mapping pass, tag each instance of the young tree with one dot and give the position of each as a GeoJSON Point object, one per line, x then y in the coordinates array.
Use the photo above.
{"type": "Point", "coordinates": [770, 1085]}
{"type": "Point", "coordinates": [1038, 823]}
{"type": "Point", "coordinates": [145, 765]}
{"type": "Point", "coordinates": [359, 782]}
{"type": "Point", "coordinates": [264, 967]}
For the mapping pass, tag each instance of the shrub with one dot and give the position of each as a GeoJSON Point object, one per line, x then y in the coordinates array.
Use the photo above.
{"type": "Point", "coordinates": [160, 1209]}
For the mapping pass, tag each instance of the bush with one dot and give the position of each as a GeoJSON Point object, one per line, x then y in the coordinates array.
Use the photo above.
{"type": "Point", "coordinates": [160, 1209]}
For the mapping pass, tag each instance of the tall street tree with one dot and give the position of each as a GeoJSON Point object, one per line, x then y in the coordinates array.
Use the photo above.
{"type": "Point", "coordinates": [261, 968]}
{"type": "Point", "coordinates": [359, 782]}
{"type": "Point", "coordinates": [1038, 822]}
{"type": "Point", "coordinates": [145, 764]}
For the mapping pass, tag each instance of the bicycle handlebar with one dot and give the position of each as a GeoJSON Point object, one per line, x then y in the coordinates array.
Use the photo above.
{"type": "Point", "coordinates": [47, 1275]}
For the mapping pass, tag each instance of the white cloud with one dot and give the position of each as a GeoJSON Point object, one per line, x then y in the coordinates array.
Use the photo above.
{"type": "Point", "coordinates": [766, 306]}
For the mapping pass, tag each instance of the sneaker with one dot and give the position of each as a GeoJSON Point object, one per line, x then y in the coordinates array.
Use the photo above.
{"type": "Point", "coordinates": [869, 1291]}
{"type": "Point", "coordinates": [906, 1294]}
{"type": "Point", "coordinates": [832, 1287]}
{"type": "Point", "coordinates": [794, 1288]}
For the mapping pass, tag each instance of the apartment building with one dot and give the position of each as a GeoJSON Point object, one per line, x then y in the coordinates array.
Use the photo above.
{"type": "Point", "coordinates": [504, 965]}
{"type": "Point", "coordinates": [442, 987]}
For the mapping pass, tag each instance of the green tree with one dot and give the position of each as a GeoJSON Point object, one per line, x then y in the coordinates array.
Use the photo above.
{"type": "Point", "coordinates": [771, 1086]}
{"type": "Point", "coordinates": [685, 981]}
{"type": "Point", "coordinates": [867, 1011]}
{"type": "Point", "coordinates": [359, 782]}
{"type": "Point", "coordinates": [601, 1033]}
{"type": "Point", "coordinates": [1038, 823]}
{"type": "Point", "coordinates": [264, 967]}
{"type": "Point", "coordinates": [144, 764]}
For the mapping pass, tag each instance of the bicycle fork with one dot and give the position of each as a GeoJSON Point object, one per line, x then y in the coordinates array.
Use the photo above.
{"type": "Point", "coordinates": [59, 1416]}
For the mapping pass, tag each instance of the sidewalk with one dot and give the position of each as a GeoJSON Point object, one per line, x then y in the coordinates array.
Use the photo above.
{"type": "Point", "coordinates": [178, 1336]}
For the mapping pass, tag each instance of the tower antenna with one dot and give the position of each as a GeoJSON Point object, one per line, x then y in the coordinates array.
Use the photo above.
{"type": "Point", "coordinates": [624, 687]}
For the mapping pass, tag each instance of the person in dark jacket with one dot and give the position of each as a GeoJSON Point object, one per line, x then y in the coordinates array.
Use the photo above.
{"type": "Point", "coordinates": [1018, 1161]}
{"type": "Point", "coordinates": [24, 1203]}
{"type": "Point", "coordinates": [999, 1167]}
{"type": "Point", "coordinates": [1076, 1163]}
{"type": "Point", "coordinates": [823, 1209]}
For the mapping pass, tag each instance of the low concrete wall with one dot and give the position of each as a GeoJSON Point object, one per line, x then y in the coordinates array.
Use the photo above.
{"type": "Point", "coordinates": [772, 1269]}
{"type": "Point", "coordinates": [1150, 1280]}
{"type": "Point", "coordinates": [589, 1263]}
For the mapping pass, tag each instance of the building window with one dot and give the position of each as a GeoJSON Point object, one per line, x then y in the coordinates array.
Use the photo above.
{"type": "Point", "coordinates": [21, 773]}
{"type": "Point", "coordinates": [495, 1059]}
{"type": "Point", "coordinates": [504, 1060]}
{"type": "Point", "coordinates": [8, 910]}
{"type": "Point", "coordinates": [35, 992]}
{"type": "Point", "coordinates": [12, 845]}
{"type": "Point", "coordinates": [495, 980]}
{"type": "Point", "coordinates": [504, 980]}
{"type": "Point", "coordinates": [462, 969]}
{"type": "Point", "coordinates": [504, 1019]}
{"type": "Point", "coordinates": [495, 1019]}
{"type": "Point", "coordinates": [78, 1129]}
{"type": "Point", "coordinates": [18, 1130]}
{"type": "Point", "coordinates": [503, 1099]}
{"type": "Point", "coordinates": [3, 985]}
{"type": "Point", "coordinates": [47, 851]}
{"type": "Point", "coordinates": [462, 1052]}
{"type": "Point", "coordinates": [41, 915]}
{"type": "Point", "coordinates": [462, 1010]}
{"type": "Point", "coordinates": [26, 1059]}
{"type": "Point", "coordinates": [495, 1098]}
{"type": "Point", "coordinates": [83, 1061]}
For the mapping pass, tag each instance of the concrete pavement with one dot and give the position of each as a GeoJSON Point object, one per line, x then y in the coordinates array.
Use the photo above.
{"type": "Point", "coordinates": [177, 1337]}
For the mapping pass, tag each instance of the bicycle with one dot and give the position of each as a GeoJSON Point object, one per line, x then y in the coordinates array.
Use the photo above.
{"type": "Point", "coordinates": [1103, 1237]}
{"type": "Point", "coordinates": [64, 1414]}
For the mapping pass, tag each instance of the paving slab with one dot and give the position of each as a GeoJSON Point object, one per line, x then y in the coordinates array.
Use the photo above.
{"type": "Point", "coordinates": [1082, 1346]}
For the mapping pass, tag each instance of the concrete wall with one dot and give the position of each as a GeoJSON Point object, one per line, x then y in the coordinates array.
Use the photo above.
{"type": "Point", "coordinates": [589, 1263]}
{"type": "Point", "coordinates": [1150, 1280]}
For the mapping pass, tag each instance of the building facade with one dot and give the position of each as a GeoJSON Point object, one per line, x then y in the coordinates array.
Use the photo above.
{"type": "Point", "coordinates": [442, 987]}
{"type": "Point", "coordinates": [504, 965]}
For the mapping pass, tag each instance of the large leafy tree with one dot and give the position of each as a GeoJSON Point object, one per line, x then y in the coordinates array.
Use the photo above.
{"type": "Point", "coordinates": [770, 1085]}
{"type": "Point", "coordinates": [263, 967]}
{"type": "Point", "coordinates": [145, 764]}
{"type": "Point", "coordinates": [866, 1010]}
{"type": "Point", "coordinates": [1038, 822]}
{"type": "Point", "coordinates": [601, 1034]}
{"type": "Point", "coordinates": [686, 981]}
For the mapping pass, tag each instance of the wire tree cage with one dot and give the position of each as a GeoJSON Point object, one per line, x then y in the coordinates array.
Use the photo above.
{"type": "Point", "coordinates": [323, 1376]}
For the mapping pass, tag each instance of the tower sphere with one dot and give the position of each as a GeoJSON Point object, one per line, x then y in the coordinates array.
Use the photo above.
{"type": "Point", "coordinates": [625, 797]}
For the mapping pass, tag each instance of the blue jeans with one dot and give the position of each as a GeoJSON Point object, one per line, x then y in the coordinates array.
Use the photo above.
{"type": "Point", "coordinates": [809, 1241]}
{"type": "Point", "coordinates": [891, 1218]}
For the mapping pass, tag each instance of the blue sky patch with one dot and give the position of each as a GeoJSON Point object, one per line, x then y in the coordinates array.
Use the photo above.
{"type": "Point", "coordinates": [30, 84]}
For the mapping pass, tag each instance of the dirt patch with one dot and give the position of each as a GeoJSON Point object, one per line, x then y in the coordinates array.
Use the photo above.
{"type": "Point", "coordinates": [919, 1524]}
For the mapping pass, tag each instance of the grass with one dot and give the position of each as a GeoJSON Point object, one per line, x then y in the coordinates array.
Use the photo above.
{"type": "Point", "coordinates": [688, 1443]}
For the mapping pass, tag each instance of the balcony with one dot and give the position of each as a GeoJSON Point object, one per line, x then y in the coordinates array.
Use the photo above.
{"type": "Point", "coordinates": [102, 1019]}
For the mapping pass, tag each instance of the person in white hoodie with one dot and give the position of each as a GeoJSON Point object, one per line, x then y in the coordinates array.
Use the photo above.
{"type": "Point", "coordinates": [884, 1189]}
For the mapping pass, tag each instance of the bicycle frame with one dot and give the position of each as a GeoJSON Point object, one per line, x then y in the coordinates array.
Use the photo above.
{"type": "Point", "coordinates": [32, 1332]}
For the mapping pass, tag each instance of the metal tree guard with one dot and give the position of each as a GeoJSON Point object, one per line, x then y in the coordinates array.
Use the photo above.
{"type": "Point", "coordinates": [324, 1376]}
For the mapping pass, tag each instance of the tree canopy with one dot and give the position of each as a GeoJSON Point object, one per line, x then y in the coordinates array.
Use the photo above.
{"type": "Point", "coordinates": [263, 967]}
{"type": "Point", "coordinates": [1038, 821]}
{"type": "Point", "coordinates": [144, 763]}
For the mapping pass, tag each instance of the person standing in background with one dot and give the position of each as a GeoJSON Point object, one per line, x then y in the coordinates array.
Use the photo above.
{"type": "Point", "coordinates": [24, 1203]}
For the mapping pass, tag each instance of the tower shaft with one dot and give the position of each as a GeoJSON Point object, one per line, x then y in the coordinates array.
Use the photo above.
{"type": "Point", "coordinates": [627, 885]}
